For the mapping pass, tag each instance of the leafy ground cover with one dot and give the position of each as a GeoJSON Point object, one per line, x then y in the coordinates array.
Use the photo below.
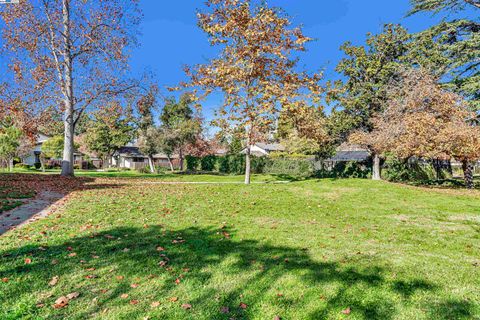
{"type": "Point", "coordinates": [11, 196]}
{"type": "Point", "coordinates": [334, 249]}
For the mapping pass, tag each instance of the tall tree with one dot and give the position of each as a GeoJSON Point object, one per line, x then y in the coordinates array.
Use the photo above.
{"type": "Point", "coordinates": [148, 132]}
{"type": "Point", "coordinates": [10, 138]}
{"type": "Point", "coordinates": [368, 70]}
{"type": "Point", "coordinates": [179, 124]}
{"type": "Point", "coordinates": [423, 120]}
{"type": "Point", "coordinates": [70, 54]}
{"type": "Point", "coordinates": [256, 69]}
{"type": "Point", "coordinates": [110, 129]}
{"type": "Point", "coordinates": [452, 47]}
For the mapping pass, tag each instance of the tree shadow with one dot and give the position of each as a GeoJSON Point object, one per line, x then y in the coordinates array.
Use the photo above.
{"type": "Point", "coordinates": [213, 271]}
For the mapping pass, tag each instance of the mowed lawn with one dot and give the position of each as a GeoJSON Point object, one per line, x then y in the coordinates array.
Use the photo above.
{"type": "Point", "coordinates": [317, 249]}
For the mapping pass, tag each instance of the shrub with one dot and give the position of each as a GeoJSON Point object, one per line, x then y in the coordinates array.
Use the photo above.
{"type": "Point", "coordinates": [192, 162]}
{"type": "Point", "coordinates": [300, 168]}
{"type": "Point", "coordinates": [345, 169]}
{"type": "Point", "coordinates": [208, 163]}
{"type": "Point", "coordinates": [22, 166]}
{"type": "Point", "coordinates": [144, 170]}
{"type": "Point", "coordinates": [397, 170]}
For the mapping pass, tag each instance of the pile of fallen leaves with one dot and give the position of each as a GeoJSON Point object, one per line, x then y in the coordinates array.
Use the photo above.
{"type": "Point", "coordinates": [28, 183]}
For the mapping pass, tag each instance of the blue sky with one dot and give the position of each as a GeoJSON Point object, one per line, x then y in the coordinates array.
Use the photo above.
{"type": "Point", "coordinates": [170, 37]}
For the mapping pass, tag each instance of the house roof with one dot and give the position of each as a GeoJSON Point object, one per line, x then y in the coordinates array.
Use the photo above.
{"type": "Point", "coordinates": [270, 146]}
{"type": "Point", "coordinates": [134, 152]}
{"type": "Point", "coordinates": [350, 156]}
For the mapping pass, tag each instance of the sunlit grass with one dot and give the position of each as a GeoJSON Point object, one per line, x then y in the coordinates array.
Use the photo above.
{"type": "Point", "coordinates": [316, 249]}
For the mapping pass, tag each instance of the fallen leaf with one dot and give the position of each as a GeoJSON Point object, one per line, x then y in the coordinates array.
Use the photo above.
{"type": "Point", "coordinates": [53, 281]}
{"type": "Point", "coordinates": [5, 280]}
{"type": "Point", "coordinates": [174, 299]}
{"type": "Point", "coordinates": [28, 261]}
{"type": "Point", "coordinates": [61, 302]}
{"type": "Point", "coordinates": [40, 305]}
{"type": "Point", "coordinates": [73, 254]}
{"type": "Point", "coordinates": [186, 306]}
{"type": "Point", "coordinates": [72, 295]}
{"type": "Point", "coordinates": [160, 249]}
{"type": "Point", "coordinates": [119, 277]}
{"type": "Point", "coordinates": [243, 305]}
{"type": "Point", "coordinates": [346, 311]}
{"type": "Point", "coordinates": [277, 318]}
{"type": "Point", "coordinates": [177, 281]}
{"type": "Point", "coordinates": [225, 310]}
{"type": "Point", "coordinates": [134, 285]}
{"type": "Point", "coordinates": [155, 304]}
{"type": "Point", "coordinates": [134, 302]}
{"type": "Point", "coordinates": [124, 296]}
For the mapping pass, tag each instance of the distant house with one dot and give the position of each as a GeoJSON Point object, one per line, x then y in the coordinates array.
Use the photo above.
{"type": "Point", "coordinates": [261, 149]}
{"type": "Point", "coordinates": [33, 156]}
{"type": "Point", "coordinates": [130, 157]}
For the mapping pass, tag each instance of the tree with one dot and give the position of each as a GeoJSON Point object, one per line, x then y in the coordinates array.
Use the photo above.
{"type": "Point", "coordinates": [10, 138]}
{"type": "Point", "coordinates": [109, 130]}
{"type": "Point", "coordinates": [256, 69]}
{"type": "Point", "coordinates": [368, 71]}
{"type": "Point", "coordinates": [452, 48]}
{"type": "Point", "coordinates": [70, 54]}
{"type": "Point", "coordinates": [179, 124]}
{"type": "Point", "coordinates": [52, 149]}
{"type": "Point", "coordinates": [149, 134]}
{"type": "Point", "coordinates": [423, 120]}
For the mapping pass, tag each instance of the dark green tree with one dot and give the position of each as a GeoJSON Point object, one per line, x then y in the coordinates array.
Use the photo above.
{"type": "Point", "coordinates": [110, 129]}
{"type": "Point", "coordinates": [368, 70]}
{"type": "Point", "coordinates": [180, 125]}
{"type": "Point", "coordinates": [451, 49]}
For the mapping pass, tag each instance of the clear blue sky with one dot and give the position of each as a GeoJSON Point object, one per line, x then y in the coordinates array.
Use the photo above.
{"type": "Point", "coordinates": [171, 37]}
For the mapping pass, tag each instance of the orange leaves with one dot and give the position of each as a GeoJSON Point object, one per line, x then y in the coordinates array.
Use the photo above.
{"type": "Point", "coordinates": [28, 261]}
{"type": "Point", "coordinates": [346, 311]}
{"type": "Point", "coordinates": [64, 300]}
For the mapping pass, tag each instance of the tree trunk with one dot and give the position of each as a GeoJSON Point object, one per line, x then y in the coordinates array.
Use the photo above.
{"type": "Point", "coordinates": [42, 163]}
{"type": "Point", "coordinates": [170, 163]}
{"type": "Point", "coordinates": [450, 168]}
{"type": "Point", "coordinates": [180, 155]}
{"type": "Point", "coordinates": [69, 123]}
{"type": "Point", "coordinates": [437, 166]}
{"type": "Point", "coordinates": [247, 164]}
{"type": "Point", "coordinates": [150, 163]}
{"type": "Point", "coordinates": [468, 174]}
{"type": "Point", "coordinates": [10, 164]}
{"type": "Point", "coordinates": [376, 172]}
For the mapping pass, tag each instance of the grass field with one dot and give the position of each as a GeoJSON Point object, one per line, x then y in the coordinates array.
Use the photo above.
{"type": "Point", "coordinates": [317, 249]}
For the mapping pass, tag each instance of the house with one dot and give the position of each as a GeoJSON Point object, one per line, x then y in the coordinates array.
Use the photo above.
{"type": "Point", "coordinates": [261, 149]}
{"type": "Point", "coordinates": [130, 157]}
{"type": "Point", "coordinates": [350, 152]}
{"type": "Point", "coordinates": [32, 157]}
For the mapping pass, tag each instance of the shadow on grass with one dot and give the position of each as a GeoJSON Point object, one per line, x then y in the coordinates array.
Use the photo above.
{"type": "Point", "coordinates": [217, 272]}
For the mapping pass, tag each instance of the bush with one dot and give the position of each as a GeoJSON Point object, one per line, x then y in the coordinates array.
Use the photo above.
{"type": "Point", "coordinates": [346, 169]}
{"type": "Point", "coordinates": [144, 170]}
{"type": "Point", "coordinates": [397, 170]}
{"type": "Point", "coordinates": [231, 164]}
{"type": "Point", "coordinates": [300, 168]}
{"type": "Point", "coordinates": [22, 166]}
{"type": "Point", "coordinates": [192, 163]}
{"type": "Point", "coordinates": [208, 163]}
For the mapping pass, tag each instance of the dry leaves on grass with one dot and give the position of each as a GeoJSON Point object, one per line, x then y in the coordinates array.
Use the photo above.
{"type": "Point", "coordinates": [54, 281]}
{"type": "Point", "coordinates": [64, 300]}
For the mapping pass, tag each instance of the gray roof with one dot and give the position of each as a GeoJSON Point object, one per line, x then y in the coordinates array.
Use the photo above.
{"type": "Point", "coordinates": [134, 152]}
{"type": "Point", "coordinates": [270, 146]}
{"type": "Point", "coordinates": [350, 156]}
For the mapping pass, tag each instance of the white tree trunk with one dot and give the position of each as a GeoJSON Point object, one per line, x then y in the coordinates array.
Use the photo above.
{"type": "Point", "coordinates": [247, 164]}
{"type": "Point", "coordinates": [10, 164]}
{"type": "Point", "coordinates": [69, 123]}
{"type": "Point", "coordinates": [170, 163]}
{"type": "Point", "coordinates": [150, 163]}
{"type": "Point", "coordinates": [376, 172]}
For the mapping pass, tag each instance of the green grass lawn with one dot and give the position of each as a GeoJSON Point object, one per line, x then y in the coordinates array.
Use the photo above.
{"type": "Point", "coordinates": [317, 249]}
